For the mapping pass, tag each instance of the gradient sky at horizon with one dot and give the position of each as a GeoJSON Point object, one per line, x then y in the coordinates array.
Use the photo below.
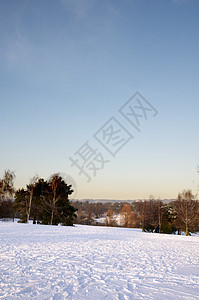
{"type": "Point", "coordinates": [68, 66]}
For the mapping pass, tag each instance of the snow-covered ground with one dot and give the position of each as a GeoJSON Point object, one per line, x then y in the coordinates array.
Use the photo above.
{"type": "Point", "coordinates": [85, 262]}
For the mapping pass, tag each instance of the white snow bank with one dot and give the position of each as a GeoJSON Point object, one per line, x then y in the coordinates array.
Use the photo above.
{"type": "Point", "coordinates": [85, 262]}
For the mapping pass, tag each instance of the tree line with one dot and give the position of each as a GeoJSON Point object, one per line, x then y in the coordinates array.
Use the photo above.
{"type": "Point", "coordinates": [155, 216]}
{"type": "Point", "coordinates": [150, 215]}
{"type": "Point", "coordinates": [43, 201]}
{"type": "Point", "coordinates": [47, 202]}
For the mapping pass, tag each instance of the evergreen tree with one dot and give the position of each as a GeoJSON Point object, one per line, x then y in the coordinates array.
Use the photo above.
{"type": "Point", "coordinates": [49, 202]}
{"type": "Point", "coordinates": [21, 204]}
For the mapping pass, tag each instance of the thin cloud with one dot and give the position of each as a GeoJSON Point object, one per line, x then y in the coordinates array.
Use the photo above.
{"type": "Point", "coordinates": [180, 2]}
{"type": "Point", "coordinates": [18, 49]}
{"type": "Point", "coordinates": [80, 8]}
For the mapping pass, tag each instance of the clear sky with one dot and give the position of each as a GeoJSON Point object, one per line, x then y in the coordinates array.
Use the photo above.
{"type": "Point", "coordinates": [68, 66]}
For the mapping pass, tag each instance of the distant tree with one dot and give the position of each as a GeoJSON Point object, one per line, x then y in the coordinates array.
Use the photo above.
{"type": "Point", "coordinates": [187, 211]}
{"type": "Point", "coordinates": [160, 211]}
{"type": "Point", "coordinates": [79, 216]}
{"type": "Point", "coordinates": [167, 218]}
{"type": "Point", "coordinates": [151, 223]}
{"type": "Point", "coordinates": [110, 219]}
{"type": "Point", "coordinates": [89, 216]}
{"type": "Point", "coordinates": [156, 212]}
{"type": "Point", "coordinates": [152, 214]}
{"type": "Point", "coordinates": [142, 213]}
{"type": "Point", "coordinates": [126, 216]}
{"type": "Point", "coordinates": [109, 213]}
{"type": "Point", "coordinates": [134, 219]}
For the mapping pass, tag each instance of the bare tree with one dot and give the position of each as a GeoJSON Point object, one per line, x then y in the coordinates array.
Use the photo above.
{"type": "Point", "coordinates": [54, 183]}
{"type": "Point", "coordinates": [30, 189]}
{"type": "Point", "coordinates": [150, 214]}
{"type": "Point", "coordinates": [142, 211]}
{"type": "Point", "coordinates": [58, 187]}
{"type": "Point", "coordinates": [186, 207]}
{"type": "Point", "coordinates": [7, 185]}
{"type": "Point", "coordinates": [110, 219]}
{"type": "Point", "coordinates": [160, 211]}
{"type": "Point", "coordinates": [126, 216]}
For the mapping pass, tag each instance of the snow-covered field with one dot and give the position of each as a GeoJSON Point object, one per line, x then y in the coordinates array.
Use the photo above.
{"type": "Point", "coordinates": [85, 262]}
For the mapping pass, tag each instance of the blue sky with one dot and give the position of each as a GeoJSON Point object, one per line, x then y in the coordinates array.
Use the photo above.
{"type": "Point", "coordinates": [66, 69]}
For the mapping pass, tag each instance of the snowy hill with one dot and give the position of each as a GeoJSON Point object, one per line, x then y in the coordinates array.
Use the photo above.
{"type": "Point", "coordinates": [85, 262]}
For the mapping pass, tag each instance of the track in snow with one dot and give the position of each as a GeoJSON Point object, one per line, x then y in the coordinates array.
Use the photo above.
{"type": "Point", "coordinates": [85, 262]}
